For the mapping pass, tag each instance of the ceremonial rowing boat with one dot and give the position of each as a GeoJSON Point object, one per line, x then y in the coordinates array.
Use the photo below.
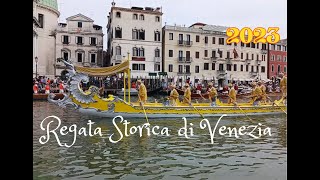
{"type": "Point", "coordinates": [89, 102]}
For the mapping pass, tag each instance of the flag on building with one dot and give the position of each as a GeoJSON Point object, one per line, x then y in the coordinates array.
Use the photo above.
{"type": "Point", "coordinates": [235, 53]}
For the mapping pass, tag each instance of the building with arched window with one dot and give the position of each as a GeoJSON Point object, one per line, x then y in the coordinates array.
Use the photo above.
{"type": "Point", "coordinates": [277, 59]}
{"type": "Point", "coordinates": [141, 38]}
{"type": "Point", "coordinates": [45, 20]}
{"type": "Point", "coordinates": [80, 41]}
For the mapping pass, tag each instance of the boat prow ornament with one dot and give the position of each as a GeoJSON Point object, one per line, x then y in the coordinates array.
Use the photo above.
{"type": "Point", "coordinates": [89, 102]}
{"type": "Point", "coordinates": [62, 102]}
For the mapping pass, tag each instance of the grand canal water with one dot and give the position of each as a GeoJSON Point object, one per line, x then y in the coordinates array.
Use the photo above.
{"type": "Point", "coordinates": [159, 157]}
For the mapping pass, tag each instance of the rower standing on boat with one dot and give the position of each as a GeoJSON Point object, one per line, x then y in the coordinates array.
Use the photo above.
{"type": "Point", "coordinates": [232, 95]}
{"type": "Point", "coordinates": [212, 94]}
{"type": "Point", "coordinates": [263, 90]}
{"type": "Point", "coordinates": [142, 92]}
{"type": "Point", "coordinates": [256, 94]}
{"type": "Point", "coordinates": [174, 95]}
{"type": "Point", "coordinates": [187, 94]}
{"type": "Point", "coordinates": [283, 85]}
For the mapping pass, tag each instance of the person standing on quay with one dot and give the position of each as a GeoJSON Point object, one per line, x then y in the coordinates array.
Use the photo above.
{"type": "Point", "coordinates": [142, 92]}
{"type": "Point", "coordinates": [61, 87]}
{"type": "Point", "coordinates": [35, 88]}
{"type": "Point", "coordinates": [47, 88]}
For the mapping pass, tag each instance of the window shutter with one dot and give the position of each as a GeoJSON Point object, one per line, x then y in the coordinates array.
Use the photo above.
{"type": "Point", "coordinates": [61, 38]}
{"type": "Point", "coordinates": [76, 39]}
{"type": "Point", "coordinates": [69, 39]}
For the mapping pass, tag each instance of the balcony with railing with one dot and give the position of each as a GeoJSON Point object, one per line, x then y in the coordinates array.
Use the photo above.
{"type": "Point", "coordinates": [184, 73]}
{"type": "Point", "coordinates": [213, 59]}
{"type": "Point", "coordinates": [184, 43]}
{"type": "Point", "coordinates": [184, 59]}
{"type": "Point", "coordinates": [188, 43]}
{"type": "Point", "coordinates": [248, 61]}
{"type": "Point", "coordinates": [221, 72]}
{"type": "Point", "coordinates": [264, 51]}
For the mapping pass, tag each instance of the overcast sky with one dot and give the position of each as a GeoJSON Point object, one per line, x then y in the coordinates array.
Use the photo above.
{"type": "Point", "coordinates": [232, 13]}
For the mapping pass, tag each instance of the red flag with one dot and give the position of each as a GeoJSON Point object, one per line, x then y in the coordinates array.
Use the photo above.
{"type": "Point", "coordinates": [235, 53]}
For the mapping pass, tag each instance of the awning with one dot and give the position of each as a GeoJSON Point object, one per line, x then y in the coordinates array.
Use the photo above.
{"type": "Point", "coordinates": [105, 71]}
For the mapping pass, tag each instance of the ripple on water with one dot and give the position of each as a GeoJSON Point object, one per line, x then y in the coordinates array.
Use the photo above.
{"type": "Point", "coordinates": [159, 157]}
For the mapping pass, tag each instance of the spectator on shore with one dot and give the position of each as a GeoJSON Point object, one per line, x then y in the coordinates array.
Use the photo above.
{"type": "Point", "coordinates": [199, 88]}
{"type": "Point", "coordinates": [47, 88]}
{"type": "Point", "coordinates": [35, 88]}
{"type": "Point", "coordinates": [133, 85]}
{"type": "Point", "coordinates": [61, 87]}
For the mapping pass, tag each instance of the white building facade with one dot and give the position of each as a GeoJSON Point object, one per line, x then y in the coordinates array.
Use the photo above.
{"type": "Point", "coordinates": [200, 52]}
{"type": "Point", "coordinates": [135, 32]}
{"type": "Point", "coordinates": [46, 14]}
{"type": "Point", "coordinates": [36, 25]}
{"type": "Point", "coordinates": [80, 41]}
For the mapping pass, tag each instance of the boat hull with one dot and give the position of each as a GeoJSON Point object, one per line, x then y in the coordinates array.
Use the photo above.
{"type": "Point", "coordinates": [94, 112]}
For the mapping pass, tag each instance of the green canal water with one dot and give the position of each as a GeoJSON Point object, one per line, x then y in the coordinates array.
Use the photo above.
{"type": "Point", "coordinates": [158, 157]}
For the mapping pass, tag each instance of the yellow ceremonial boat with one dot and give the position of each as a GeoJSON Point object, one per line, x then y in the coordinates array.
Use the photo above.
{"type": "Point", "coordinates": [91, 103]}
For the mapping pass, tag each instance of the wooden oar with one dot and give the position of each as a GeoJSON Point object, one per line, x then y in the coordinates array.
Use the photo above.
{"type": "Point", "coordinates": [235, 103]}
{"type": "Point", "coordinates": [202, 96]}
{"type": "Point", "coordinates": [280, 100]}
{"type": "Point", "coordinates": [143, 109]}
{"type": "Point", "coordinates": [194, 107]}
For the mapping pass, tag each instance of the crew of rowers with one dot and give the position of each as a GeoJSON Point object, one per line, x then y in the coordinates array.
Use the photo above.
{"type": "Point", "coordinates": [258, 93]}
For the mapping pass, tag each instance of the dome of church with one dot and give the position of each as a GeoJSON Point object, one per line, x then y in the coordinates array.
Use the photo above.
{"type": "Point", "coordinates": [50, 3]}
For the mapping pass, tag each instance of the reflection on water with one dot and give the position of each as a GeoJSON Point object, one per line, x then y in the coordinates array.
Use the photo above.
{"type": "Point", "coordinates": [159, 157]}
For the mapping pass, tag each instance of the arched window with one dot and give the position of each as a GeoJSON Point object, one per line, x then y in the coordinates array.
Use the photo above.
{"type": "Point", "coordinates": [135, 16]}
{"type": "Point", "coordinates": [118, 14]}
{"type": "Point", "coordinates": [118, 50]}
{"type": "Point", "coordinates": [80, 55]}
{"type": "Point", "coordinates": [156, 36]}
{"type": "Point", "coordinates": [157, 19]}
{"type": "Point", "coordinates": [141, 52]}
{"type": "Point", "coordinates": [279, 68]}
{"type": "Point", "coordinates": [65, 53]}
{"type": "Point", "coordinates": [135, 51]}
{"type": "Point", "coordinates": [118, 32]}
{"type": "Point", "coordinates": [157, 52]}
{"type": "Point", "coordinates": [272, 68]}
{"type": "Point", "coordinates": [285, 69]}
{"type": "Point", "coordinates": [93, 57]}
{"type": "Point", "coordinates": [141, 17]}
